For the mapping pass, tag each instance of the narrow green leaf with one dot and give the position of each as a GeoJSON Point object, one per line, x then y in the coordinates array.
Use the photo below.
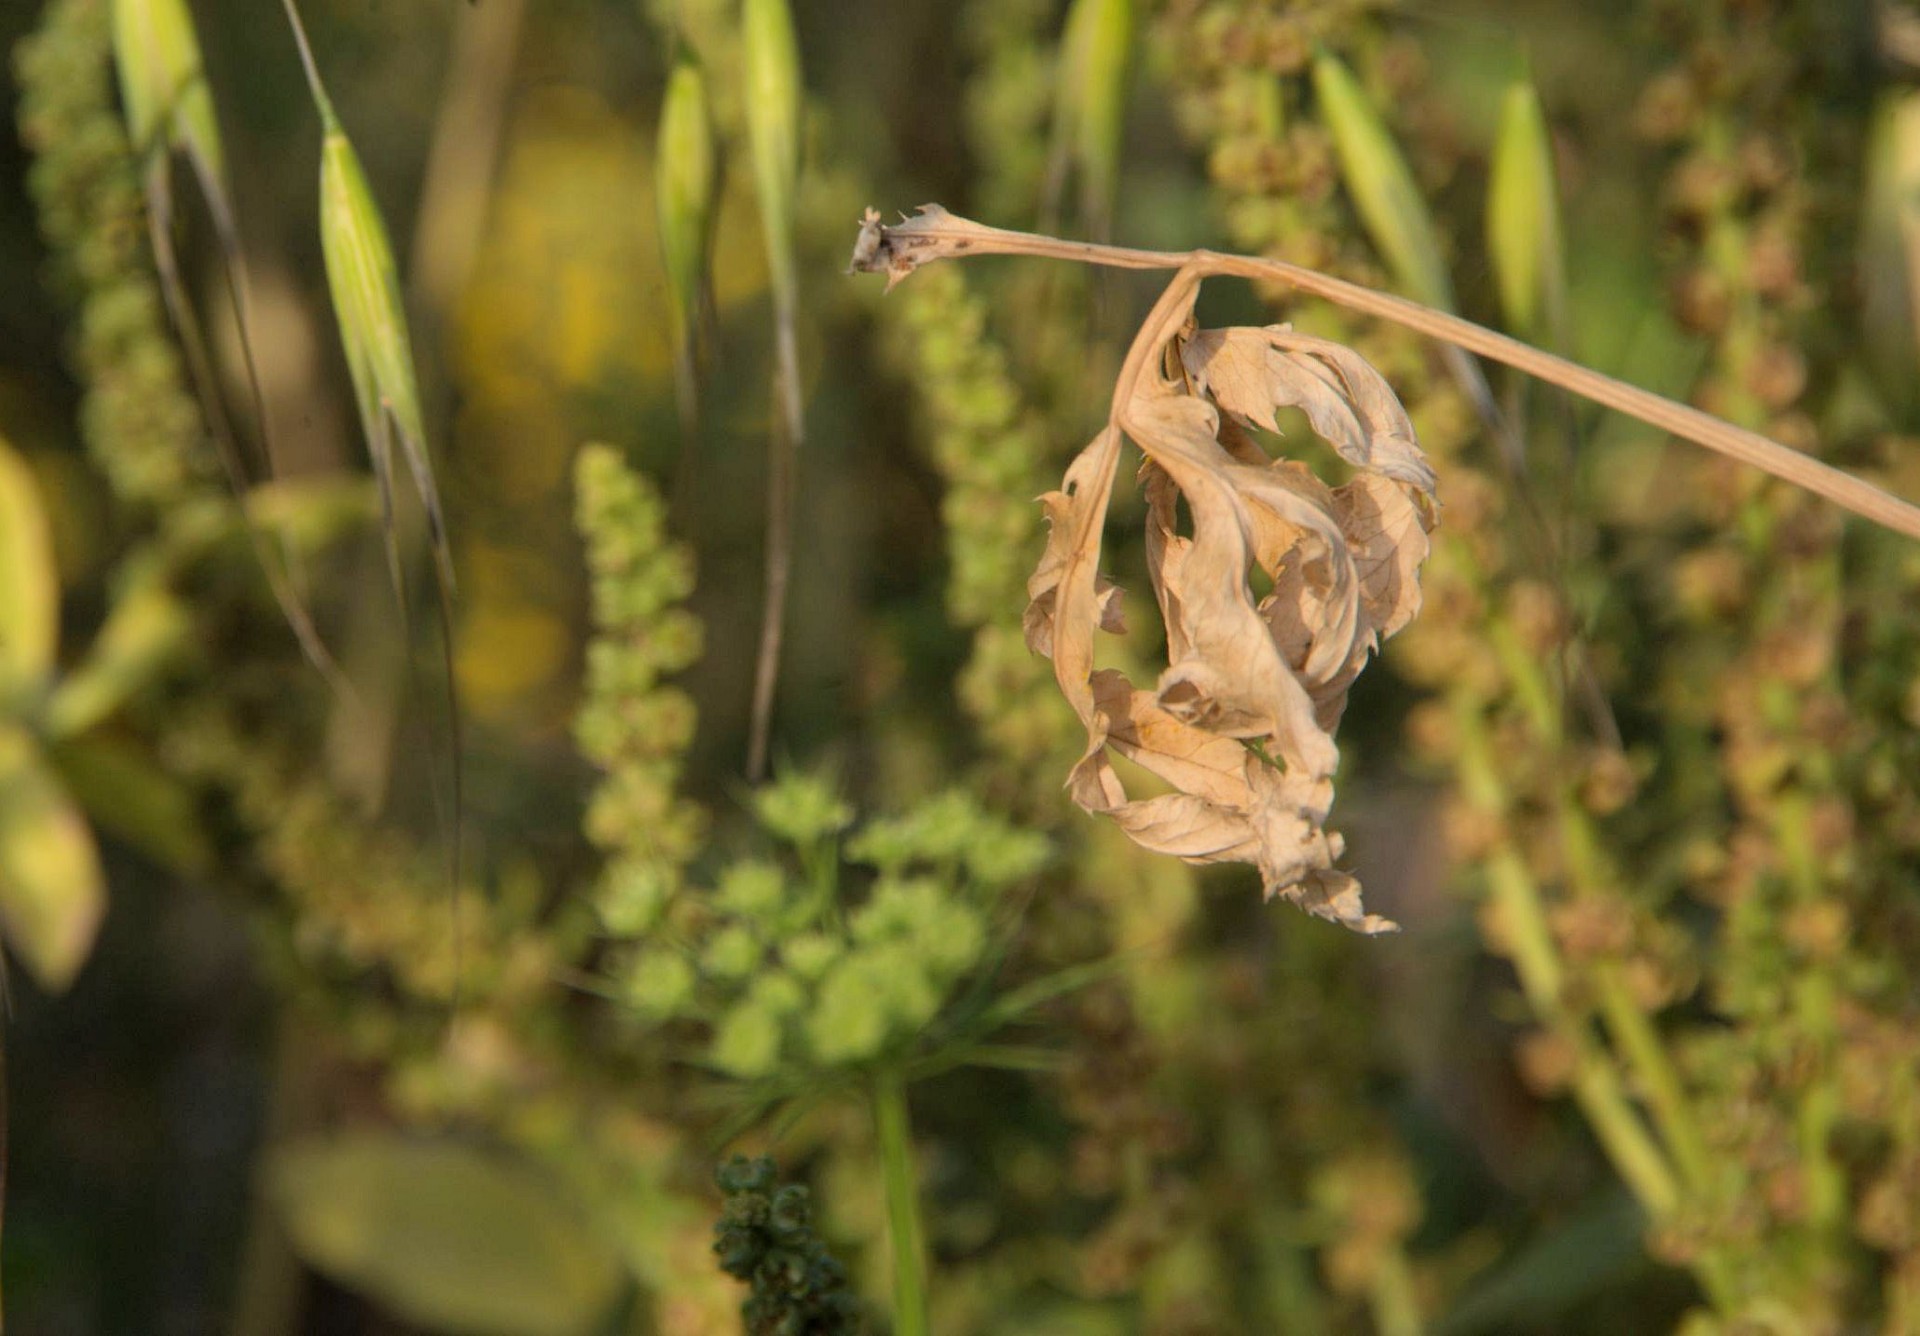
{"type": "Point", "coordinates": [1890, 250]}
{"type": "Point", "coordinates": [145, 627]}
{"type": "Point", "coordinates": [1381, 185]}
{"type": "Point", "coordinates": [29, 580]}
{"type": "Point", "coordinates": [772, 56]}
{"type": "Point", "coordinates": [448, 1237]}
{"type": "Point", "coordinates": [1523, 219]}
{"type": "Point", "coordinates": [52, 892]}
{"type": "Point", "coordinates": [1096, 53]}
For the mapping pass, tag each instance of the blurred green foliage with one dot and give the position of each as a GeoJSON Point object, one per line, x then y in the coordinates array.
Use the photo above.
{"type": "Point", "coordinates": [1643, 782]}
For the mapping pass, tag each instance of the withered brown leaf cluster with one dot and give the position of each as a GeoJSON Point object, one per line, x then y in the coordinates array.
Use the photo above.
{"type": "Point", "coordinates": [1240, 726]}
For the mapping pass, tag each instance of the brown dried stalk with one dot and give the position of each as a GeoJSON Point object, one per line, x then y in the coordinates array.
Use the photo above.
{"type": "Point", "coordinates": [936, 234]}
{"type": "Point", "coordinates": [1241, 722]}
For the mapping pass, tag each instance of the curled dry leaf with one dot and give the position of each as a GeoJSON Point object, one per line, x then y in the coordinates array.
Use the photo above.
{"type": "Point", "coordinates": [1240, 725]}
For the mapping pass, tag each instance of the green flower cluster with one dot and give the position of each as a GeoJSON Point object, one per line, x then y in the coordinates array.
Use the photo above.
{"type": "Point", "coordinates": [765, 1237]}
{"type": "Point", "coordinates": [1009, 101]}
{"type": "Point", "coordinates": [140, 422]}
{"type": "Point", "coordinates": [991, 453]}
{"type": "Point", "coordinates": [792, 976]}
{"type": "Point", "coordinates": [632, 725]}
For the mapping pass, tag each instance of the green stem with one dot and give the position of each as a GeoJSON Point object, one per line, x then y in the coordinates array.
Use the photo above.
{"type": "Point", "coordinates": [321, 101]}
{"type": "Point", "coordinates": [894, 1133]}
{"type": "Point", "coordinates": [1631, 1030]}
{"type": "Point", "coordinates": [1639, 1042]}
{"type": "Point", "coordinates": [1596, 1083]}
{"type": "Point", "coordinates": [1813, 995]}
{"type": "Point", "coordinates": [1396, 1312]}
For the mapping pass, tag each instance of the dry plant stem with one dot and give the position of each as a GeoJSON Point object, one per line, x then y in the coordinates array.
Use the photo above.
{"type": "Point", "coordinates": [951, 236]}
{"type": "Point", "coordinates": [782, 466]}
{"type": "Point", "coordinates": [282, 581]}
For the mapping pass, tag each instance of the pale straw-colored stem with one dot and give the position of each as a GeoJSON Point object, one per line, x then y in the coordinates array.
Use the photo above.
{"type": "Point", "coordinates": [946, 237]}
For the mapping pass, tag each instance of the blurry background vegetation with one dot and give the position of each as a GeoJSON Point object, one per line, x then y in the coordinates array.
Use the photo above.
{"type": "Point", "coordinates": [1640, 784]}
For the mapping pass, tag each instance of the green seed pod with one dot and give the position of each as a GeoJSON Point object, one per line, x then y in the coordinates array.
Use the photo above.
{"type": "Point", "coordinates": [772, 56]}
{"type": "Point", "coordinates": [1523, 220]}
{"type": "Point", "coordinates": [29, 581]}
{"type": "Point", "coordinates": [683, 193]}
{"type": "Point", "coordinates": [373, 330]}
{"type": "Point", "coordinates": [1381, 185]}
{"type": "Point", "coordinates": [163, 84]}
{"type": "Point", "coordinates": [1890, 251]}
{"type": "Point", "coordinates": [1095, 55]}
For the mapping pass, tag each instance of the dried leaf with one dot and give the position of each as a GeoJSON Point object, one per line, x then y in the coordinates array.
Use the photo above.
{"type": "Point", "coordinates": [1240, 724]}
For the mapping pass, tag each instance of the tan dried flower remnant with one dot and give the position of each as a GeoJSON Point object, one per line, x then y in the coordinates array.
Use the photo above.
{"type": "Point", "coordinates": [1240, 724]}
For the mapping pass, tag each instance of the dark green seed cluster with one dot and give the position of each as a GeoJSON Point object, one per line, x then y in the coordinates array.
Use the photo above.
{"type": "Point", "coordinates": [765, 1237]}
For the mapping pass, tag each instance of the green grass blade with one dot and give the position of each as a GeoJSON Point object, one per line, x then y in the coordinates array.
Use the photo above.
{"type": "Point", "coordinates": [684, 180]}
{"type": "Point", "coordinates": [163, 85]}
{"type": "Point", "coordinates": [1096, 53]}
{"type": "Point", "coordinates": [772, 58]}
{"type": "Point", "coordinates": [1381, 185]}
{"type": "Point", "coordinates": [1524, 238]}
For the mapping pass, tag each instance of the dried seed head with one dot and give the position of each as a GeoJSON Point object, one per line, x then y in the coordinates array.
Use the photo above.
{"type": "Point", "coordinates": [931, 234]}
{"type": "Point", "coordinates": [1523, 219]}
{"type": "Point", "coordinates": [1382, 186]}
